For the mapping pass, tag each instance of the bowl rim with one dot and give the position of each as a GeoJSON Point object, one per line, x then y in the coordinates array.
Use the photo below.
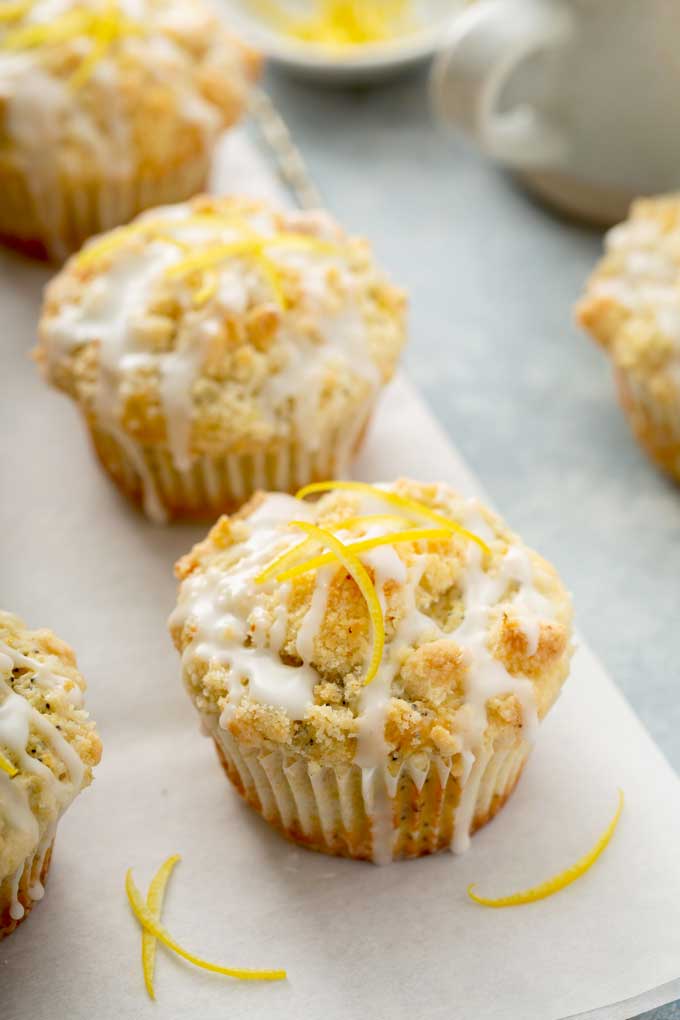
{"type": "Point", "coordinates": [408, 48]}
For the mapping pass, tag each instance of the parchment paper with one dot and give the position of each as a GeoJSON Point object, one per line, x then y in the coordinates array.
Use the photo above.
{"type": "Point", "coordinates": [358, 941]}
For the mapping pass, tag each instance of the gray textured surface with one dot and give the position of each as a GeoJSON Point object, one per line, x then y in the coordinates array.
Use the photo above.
{"type": "Point", "coordinates": [526, 398]}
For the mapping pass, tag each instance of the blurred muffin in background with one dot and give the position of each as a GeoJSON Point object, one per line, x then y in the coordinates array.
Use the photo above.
{"type": "Point", "coordinates": [48, 748]}
{"type": "Point", "coordinates": [106, 108]}
{"type": "Point", "coordinates": [220, 346]}
{"type": "Point", "coordinates": [632, 308]}
{"type": "Point", "coordinates": [372, 667]}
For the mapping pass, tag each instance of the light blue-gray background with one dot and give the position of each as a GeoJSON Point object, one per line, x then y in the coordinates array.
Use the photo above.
{"type": "Point", "coordinates": [527, 398]}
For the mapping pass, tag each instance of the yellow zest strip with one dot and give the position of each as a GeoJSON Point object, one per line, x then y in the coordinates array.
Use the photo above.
{"type": "Point", "coordinates": [254, 244]}
{"type": "Point", "coordinates": [83, 72]}
{"type": "Point", "coordinates": [272, 274]}
{"type": "Point", "coordinates": [290, 555]}
{"type": "Point", "coordinates": [560, 881]}
{"type": "Point", "coordinates": [61, 29]}
{"type": "Point", "coordinates": [115, 239]}
{"type": "Point", "coordinates": [283, 560]}
{"type": "Point", "coordinates": [403, 502]}
{"type": "Point", "coordinates": [207, 290]}
{"type": "Point", "coordinates": [363, 545]}
{"type": "Point", "coordinates": [155, 928]}
{"type": "Point", "coordinates": [352, 522]}
{"type": "Point", "coordinates": [355, 567]}
{"type": "Point", "coordinates": [211, 256]}
{"type": "Point", "coordinates": [154, 903]}
{"type": "Point", "coordinates": [7, 767]}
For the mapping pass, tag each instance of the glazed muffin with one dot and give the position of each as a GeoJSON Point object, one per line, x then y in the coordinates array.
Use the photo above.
{"type": "Point", "coordinates": [220, 346]}
{"type": "Point", "coordinates": [106, 108]}
{"type": "Point", "coordinates": [48, 748]}
{"type": "Point", "coordinates": [372, 667]}
{"type": "Point", "coordinates": [632, 308]}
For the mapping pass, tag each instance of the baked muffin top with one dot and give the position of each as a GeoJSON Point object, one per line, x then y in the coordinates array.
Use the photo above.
{"type": "Point", "coordinates": [632, 301]}
{"type": "Point", "coordinates": [476, 627]}
{"type": "Point", "coordinates": [48, 744]}
{"type": "Point", "coordinates": [222, 325]}
{"type": "Point", "coordinates": [123, 85]}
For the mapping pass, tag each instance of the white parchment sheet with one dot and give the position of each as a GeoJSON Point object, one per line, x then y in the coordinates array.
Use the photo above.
{"type": "Point", "coordinates": [357, 941]}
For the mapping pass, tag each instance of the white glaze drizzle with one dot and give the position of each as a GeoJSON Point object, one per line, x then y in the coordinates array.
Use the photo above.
{"type": "Point", "coordinates": [310, 626]}
{"type": "Point", "coordinates": [222, 605]}
{"type": "Point", "coordinates": [17, 719]}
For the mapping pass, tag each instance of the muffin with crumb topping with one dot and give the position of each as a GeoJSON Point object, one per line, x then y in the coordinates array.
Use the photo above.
{"type": "Point", "coordinates": [106, 108]}
{"type": "Point", "coordinates": [371, 666]}
{"type": "Point", "coordinates": [632, 309]}
{"type": "Point", "coordinates": [48, 748]}
{"type": "Point", "coordinates": [221, 346]}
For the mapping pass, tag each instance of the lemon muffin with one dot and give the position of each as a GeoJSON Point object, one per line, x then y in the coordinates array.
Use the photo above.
{"type": "Point", "coordinates": [48, 748]}
{"type": "Point", "coordinates": [632, 308]}
{"type": "Point", "coordinates": [220, 346]}
{"type": "Point", "coordinates": [106, 108]}
{"type": "Point", "coordinates": [372, 667]}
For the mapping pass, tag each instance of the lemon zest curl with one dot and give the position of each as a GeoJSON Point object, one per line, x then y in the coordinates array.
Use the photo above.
{"type": "Point", "coordinates": [557, 882]}
{"type": "Point", "coordinates": [155, 928]}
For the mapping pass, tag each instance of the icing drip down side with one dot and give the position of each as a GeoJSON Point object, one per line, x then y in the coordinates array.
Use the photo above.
{"type": "Point", "coordinates": [228, 617]}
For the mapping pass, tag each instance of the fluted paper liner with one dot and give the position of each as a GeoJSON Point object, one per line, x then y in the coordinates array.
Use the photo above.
{"type": "Point", "coordinates": [220, 484]}
{"type": "Point", "coordinates": [56, 221]}
{"type": "Point", "coordinates": [368, 814]}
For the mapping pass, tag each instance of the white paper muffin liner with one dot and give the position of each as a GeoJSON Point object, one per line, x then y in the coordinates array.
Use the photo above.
{"type": "Point", "coordinates": [369, 814]}
{"type": "Point", "coordinates": [22, 890]}
{"type": "Point", "coordinates": [53, 215]}
{"type": "Point", "coordinates": [220, 484]}
{"type": "Point", "coordinates": [656, 424]}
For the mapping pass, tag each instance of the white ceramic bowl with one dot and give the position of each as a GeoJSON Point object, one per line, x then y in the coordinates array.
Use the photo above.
{"type": "Point", "coordinates": [350, 66]}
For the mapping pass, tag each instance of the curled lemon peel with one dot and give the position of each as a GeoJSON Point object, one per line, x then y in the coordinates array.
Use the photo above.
{"type": "Point", "coordinates": [280, 562]}
{"type": "Point", "coordinates": [252, 246]}
{"type": "Point", "coordinates": [559, 881]}
{"type": "Point", "coordinates": [364, 545]}
{"type": "Point", "coordinates": [155, 928]}
{"type": "Point", "coordinates": [199, 264]}
{"type": "Point", "coordinates": [403, 502]}
{"type": "Point", "coordinates": [355, 567]}
{"type": "Point", "coordinates": [109, 244]}
{"type": "Point", "coordinates": [156, 230]}
{"type": "Point", "coordinates": [154, 903]}
{"type": "Point", "coordinates": [274, 568]}
{"type": "Point", "coordinates": [272, 275]}
{"type": "Point", "coordinates": [362, 519]}
{"type": "Point", "coordinates": [207, 290]}
{"type": "Point", "coordinates": [6, 766]}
